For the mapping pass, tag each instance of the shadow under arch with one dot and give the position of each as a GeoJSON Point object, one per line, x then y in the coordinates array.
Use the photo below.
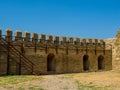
{"type": "Point", "coordinates": [85, 62]}
{"type": "Point", "coordinates": [100, 62]}
{"type": "Point", "coordinates": [51, 63]}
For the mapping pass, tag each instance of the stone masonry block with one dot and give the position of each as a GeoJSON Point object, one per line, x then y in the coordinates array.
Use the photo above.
{"type": "Point", "coordinates": [42, 38]}
{"type": "Point", "coordinates": [50, 38]}
{"type": "Point", "coordinates": [63, 40]}
{"type": "Point", "coordinates": [9, 35]}
{"type": "Point", "coordinates": [83, 41]}
{"type": "Point", "coordinates": [27, 36]}
{"type": "Point", "coordinates": [18, 35]}
{"type": "Point", "coordinates": [102, 42]}
{"type": "Point", "coordinates": [77, 41]}
{"type": "Point", "coordinates": [95, 41]}
{"type": "Point", "coordinates": [70, 40]}
{"type": "Point", "coordinates": [34, 37]}
{"type": "Point", "coordinates": [90, 41]}
{"type": "Point", "coordinates": [56, 39]}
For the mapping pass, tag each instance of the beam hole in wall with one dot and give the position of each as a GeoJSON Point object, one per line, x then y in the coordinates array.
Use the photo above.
{"type": "Point", "coordinates": [51, 63]}
{"type": "Point", "coordinates": [100, 62]}
{"type": "Point", "coordinates": [85, 63]}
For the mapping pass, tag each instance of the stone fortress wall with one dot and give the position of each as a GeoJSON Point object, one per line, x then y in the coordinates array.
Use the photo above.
{"type": "Point", "coordinates": [51, 54]}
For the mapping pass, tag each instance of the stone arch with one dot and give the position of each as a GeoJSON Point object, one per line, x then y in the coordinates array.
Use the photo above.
{"type": "Point", "coordinates": [85, 62]}
{"type": "Point", "coordinates": [51, 63]}
{"type": "Point", "coordinates": [100, 62]}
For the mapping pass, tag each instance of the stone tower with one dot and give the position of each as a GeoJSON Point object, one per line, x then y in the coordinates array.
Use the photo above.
{"type": "Point", "coordinates": [117, 45]}
{"type": "Point", "coordinates": [118, 34]}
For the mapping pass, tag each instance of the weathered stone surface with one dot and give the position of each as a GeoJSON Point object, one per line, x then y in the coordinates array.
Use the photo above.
{"type": "Point", "coordinates": [52, 55]}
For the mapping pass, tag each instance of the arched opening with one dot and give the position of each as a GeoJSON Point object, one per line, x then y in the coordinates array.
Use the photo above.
{"type": "Point", "coordinates": [51, 62]}
{"type": "Point", "coordinates": [85, 63]}
{"type": "Point", "coordinates": [100, 62]}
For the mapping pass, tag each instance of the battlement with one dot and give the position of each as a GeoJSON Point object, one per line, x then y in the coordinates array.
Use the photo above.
{"type": "Point", "coordinates": [33, 53]}
{"type": "Point", "coordinates": [49, 39]}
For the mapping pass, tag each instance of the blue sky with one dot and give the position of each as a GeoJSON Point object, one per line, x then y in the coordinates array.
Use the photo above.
{"type": "Point", "coordinates": [76, 18]}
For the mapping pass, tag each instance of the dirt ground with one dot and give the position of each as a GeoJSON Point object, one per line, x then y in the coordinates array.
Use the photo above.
{"type": "Point", "coordinates": [104, 80]}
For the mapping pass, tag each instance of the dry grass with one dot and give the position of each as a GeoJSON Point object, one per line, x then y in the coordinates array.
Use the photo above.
{"type": "Point", "coordinates": [13, 82]}
{"type": "Point", "coordinates": [81, 81]}
{"type": "Point", "coordinates": [107, 80]}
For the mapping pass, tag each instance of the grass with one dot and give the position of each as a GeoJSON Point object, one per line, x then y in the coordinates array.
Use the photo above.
{"type": "Point", "coordinates": [35, 88]}
{"type": "Point", "coordinates": [30, 88]}
{"type": "Point", "coordinates": [7, 80]}
{"type": "Point", "coordinates": [89, 86]}
{"type": "Point", "coordinates": [81, 81]}
{"type": "Point", "coordinates": [21, 88]}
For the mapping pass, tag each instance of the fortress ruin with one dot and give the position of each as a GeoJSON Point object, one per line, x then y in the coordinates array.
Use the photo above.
{"type": "Point", "coordinates": [42, 54]}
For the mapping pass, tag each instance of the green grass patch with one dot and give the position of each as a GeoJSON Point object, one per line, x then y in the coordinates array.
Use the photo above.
{"type": "Point", "coordinates": [35, 88]}
{"type": "Point", "coordinates": [6, 80]}
{"type": "Point", "coordinates": [90, 86]}
{"type": "Point", "coordinates": [21, 88]}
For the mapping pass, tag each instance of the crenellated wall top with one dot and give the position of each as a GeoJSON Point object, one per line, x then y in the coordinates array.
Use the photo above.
{"type": "Point", "coordinates": [35, 37]}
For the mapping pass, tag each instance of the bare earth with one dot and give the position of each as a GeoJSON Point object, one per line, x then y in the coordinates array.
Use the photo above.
{"type": "Point", "coordinates": [107, 80]}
